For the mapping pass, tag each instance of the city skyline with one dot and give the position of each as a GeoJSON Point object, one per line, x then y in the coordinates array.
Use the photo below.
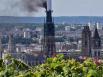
{"type": "Point", "coordinates": [60, 8]}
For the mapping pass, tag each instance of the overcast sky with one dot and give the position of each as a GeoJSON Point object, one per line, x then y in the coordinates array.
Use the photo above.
{"type": "Point", "coordinates": [60, 8]}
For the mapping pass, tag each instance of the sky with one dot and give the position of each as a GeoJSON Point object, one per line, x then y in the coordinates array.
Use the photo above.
{"type": "Point", "coordinates": [60, 8]}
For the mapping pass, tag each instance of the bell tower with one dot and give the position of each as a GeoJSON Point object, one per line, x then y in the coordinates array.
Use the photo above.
{"type": "Point", "coordinates": [1, 46]}
{"type": "Point", "coordinates": [86, 41]}
{"type": "Point", "coordinates": [11, 44]}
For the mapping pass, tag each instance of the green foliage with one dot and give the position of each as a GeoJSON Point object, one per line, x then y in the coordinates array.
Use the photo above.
{"type": "Point", "coordinates": [53, 67]}
{"type": "Point", "coordinates": [59, 67]}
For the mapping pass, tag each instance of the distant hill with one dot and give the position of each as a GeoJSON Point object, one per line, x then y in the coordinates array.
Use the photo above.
{"type": "Point", "coordinates": [11, 19]}
{"type": "Point", "coordinates": [57, 20]}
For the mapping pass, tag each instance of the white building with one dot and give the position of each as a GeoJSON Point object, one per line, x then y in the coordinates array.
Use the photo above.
{"type": "Point", "coordinates": [27, 33]}
{"type": "Point", "coordinates": [67, 28]}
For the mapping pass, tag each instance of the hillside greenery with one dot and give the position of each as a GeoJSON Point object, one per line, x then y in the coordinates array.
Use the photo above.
{"type": "Point", "coordinates": [53, 67]}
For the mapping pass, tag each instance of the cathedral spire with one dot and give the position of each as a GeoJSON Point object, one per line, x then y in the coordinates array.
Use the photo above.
{"type": "Point", "coordinates": [49, 32]}
{"type": "Point", "coordinates": [96, 44]}
{"type": "Point", "coordinates": [96, 34]}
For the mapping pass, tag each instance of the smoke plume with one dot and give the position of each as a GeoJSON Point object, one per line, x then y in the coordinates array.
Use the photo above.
{"type": "Point", "coordinates": [20, 7]}
{"type": "Point", "coordinates": [33, 5]}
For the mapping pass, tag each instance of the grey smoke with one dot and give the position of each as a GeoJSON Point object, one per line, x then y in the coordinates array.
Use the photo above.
{"type": "Point", "coordinates": [32, 5]}
{"type": "Point", "coordinates": [20, 7]}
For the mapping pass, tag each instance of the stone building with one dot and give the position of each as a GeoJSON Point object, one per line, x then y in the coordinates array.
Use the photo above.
{"type": "Point", "coordinates": [91, 44]}
{"type": "Point", "coordinates": [86, 41]}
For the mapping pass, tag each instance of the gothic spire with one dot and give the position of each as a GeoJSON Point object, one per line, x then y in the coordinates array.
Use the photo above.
{"type": "Point", "coordinates": [96, 34]}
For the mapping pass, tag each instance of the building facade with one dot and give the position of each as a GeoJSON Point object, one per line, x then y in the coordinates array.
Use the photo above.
{"type": "Point", "coordinates": [96, 44]}
{"type": "Point", "coordinates": [86, 41]}
{"type": "Point", "coordinates": [91, 44]}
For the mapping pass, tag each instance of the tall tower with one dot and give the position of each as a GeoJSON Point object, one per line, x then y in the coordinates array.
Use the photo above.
{"type": "Point", "coordinates": [49, 32]}
{"type": "Point", "coordinates": [11, 44]}
{"type": "Point", "coordinates": [96, 44]}
{"type": "Point", "coordinates": [86, 41]}
{"type": "Point", "coordinates": [1, 47]}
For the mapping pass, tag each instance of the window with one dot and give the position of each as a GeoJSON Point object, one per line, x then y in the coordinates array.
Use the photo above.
{"type": "Point", "coordinates": [99, 53]}
{"type": "Point", "coordinates": [95, 53]}
{"type": "Point", "coordinates": [85, 42]}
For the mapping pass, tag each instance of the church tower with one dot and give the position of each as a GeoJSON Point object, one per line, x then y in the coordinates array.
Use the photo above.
{"type": "Point", "coordinates": [86, 41]}
{"type": "Point", "coordinates": [11, 44]}
{"type": "Point", "coordinates": [1, 46]}
{"type": "Point", "coordinates": [96, 44]}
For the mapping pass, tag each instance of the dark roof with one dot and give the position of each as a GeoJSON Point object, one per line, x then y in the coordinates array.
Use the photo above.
{"type": "Point", "coordinates": [96, 34]}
